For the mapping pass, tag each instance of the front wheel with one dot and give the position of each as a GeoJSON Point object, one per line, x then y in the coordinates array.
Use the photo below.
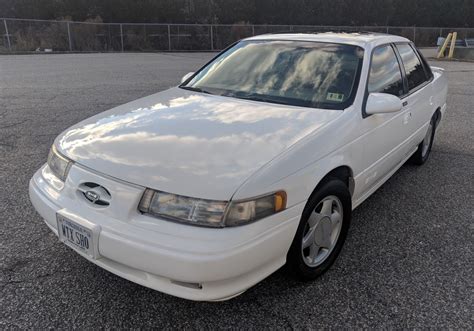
{"type": "Point", "coordinates": [322, 230]}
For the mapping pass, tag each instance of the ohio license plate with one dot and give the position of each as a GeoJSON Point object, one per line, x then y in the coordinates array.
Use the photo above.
{"type": "Point", "coordinates": [75, 235]}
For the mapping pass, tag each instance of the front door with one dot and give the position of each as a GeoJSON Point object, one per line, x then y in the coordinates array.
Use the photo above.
{"type": "Point", "coordinates": [385, 134]}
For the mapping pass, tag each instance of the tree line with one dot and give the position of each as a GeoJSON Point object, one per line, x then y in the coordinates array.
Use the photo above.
{"type": "Point", "coordinates": [442, 13]}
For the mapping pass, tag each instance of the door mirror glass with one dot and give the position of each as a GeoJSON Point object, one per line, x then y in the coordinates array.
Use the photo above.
{"type": "Point", "coordinates": [185, 77]}
{"type": "Point", "coordinates": [381, 103]}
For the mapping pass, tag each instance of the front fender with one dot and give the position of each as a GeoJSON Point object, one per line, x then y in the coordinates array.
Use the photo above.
{"type": "Point", "coordinates": [299, 170]}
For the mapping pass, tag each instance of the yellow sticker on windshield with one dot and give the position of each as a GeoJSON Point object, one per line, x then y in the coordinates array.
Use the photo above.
{"type": "Point", "coordinates": [339, 97]}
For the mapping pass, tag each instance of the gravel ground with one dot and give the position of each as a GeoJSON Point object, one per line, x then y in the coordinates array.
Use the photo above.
{"type": "Point", "coordinates": [407, 262]}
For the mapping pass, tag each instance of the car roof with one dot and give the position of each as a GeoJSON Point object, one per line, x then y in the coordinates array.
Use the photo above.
{"type": "Point", "coordinates": [362, 39]}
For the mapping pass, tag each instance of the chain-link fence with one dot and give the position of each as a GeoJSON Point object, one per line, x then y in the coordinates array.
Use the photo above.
{"type": "Point", "coordinates": [24, 35]}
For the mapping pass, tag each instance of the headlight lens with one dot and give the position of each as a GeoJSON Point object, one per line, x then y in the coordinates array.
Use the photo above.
{"type": "Point", "coordinates": [210, 212]}
{"type": "Point", "coordinates": [184, 209]}
{"type": "Point", "coordinates": [243, 212]}
{"type": "Point", "coordinates": [58, 164]}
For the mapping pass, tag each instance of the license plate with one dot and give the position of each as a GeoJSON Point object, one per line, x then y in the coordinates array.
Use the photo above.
{"type": "Point", "coordinates": [76, 235]}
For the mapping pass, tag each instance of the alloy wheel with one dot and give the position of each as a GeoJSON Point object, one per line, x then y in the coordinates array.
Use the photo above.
{"type": "Point", "coordinates": [322, 231]}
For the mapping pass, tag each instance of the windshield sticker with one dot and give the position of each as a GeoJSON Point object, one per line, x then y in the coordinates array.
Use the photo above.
{"type": "Point", "coordinates": [339, 97]}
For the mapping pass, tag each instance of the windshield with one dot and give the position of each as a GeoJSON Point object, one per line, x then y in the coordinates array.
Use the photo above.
{"type": "Point", "coordinates": [299, 73]}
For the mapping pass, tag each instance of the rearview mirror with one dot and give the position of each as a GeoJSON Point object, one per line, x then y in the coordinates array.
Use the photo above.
{"type": "Point", "coordinates": [381, 103]}
{"type": "Point", "coordinates": [186, 77]}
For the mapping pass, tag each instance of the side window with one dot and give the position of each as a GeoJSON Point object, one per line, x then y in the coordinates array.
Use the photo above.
{"type": "Point", "coordinates": [385, 75]}
{"type": "Point", "coordinates": [413, 68]}
{"type": "Point", "coordinates": [425, 64]}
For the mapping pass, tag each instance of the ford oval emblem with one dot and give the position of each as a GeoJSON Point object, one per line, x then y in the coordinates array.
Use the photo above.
{"type": "Point", "coordinates": [95, 194]}
{"type": "Point", "coordinates": [92, 196]}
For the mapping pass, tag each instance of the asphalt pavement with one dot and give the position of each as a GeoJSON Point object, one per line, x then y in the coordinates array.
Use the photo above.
{"type": "Point", "coordinates": [407, 263]}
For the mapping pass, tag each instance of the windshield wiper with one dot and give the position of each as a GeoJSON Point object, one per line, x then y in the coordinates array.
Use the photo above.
{"type": "Point", "coordinates": [195, 89]}
{"type": "Point", "coordinates": [258, 97]}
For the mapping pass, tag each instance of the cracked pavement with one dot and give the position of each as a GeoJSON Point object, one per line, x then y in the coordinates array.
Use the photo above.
{"type": "Point", "coordinates": [407, 262]}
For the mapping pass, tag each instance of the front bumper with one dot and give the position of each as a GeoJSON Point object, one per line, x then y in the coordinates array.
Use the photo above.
{"type": "Point", "coordinates": [186, 261]}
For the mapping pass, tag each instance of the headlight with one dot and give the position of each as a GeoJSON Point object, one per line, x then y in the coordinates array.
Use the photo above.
{"type": "Point", "coordinates": [184, 209]}
{"type": "Point", "coordinates": [58, 164]}
{"type": "Point", "coordinates": [210, 212]}
{"type": "Point", "coordinates": [242, 212]}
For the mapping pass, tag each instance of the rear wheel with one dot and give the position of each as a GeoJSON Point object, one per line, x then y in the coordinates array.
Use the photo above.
{"type": "Point", "coordinates": [322, 230]}
{"type": "Point", "coordinates": [424, 148]}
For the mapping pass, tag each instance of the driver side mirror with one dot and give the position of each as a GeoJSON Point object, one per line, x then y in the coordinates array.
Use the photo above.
{"type": "Point", "coordinates": [381, 103]}
{"type": "Point", "coordinates": [186, 77]}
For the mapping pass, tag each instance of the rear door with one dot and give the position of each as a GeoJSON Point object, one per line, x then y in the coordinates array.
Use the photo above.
{"type": "Point", "coordinates": [418, 101]}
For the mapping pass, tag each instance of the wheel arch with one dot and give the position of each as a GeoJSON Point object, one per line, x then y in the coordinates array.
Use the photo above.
{"type": "Point", "coordinates": [344, 173]}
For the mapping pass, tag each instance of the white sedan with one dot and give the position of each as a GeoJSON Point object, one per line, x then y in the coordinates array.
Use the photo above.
{"type": "Point", "coordinates": [253, 162]}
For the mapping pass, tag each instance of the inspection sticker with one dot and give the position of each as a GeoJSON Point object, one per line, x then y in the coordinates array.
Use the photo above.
{"type": "Point", "coordinates": [335, 97]}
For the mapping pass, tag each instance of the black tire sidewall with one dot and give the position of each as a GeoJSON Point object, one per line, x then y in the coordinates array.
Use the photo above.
{"type": "Point", "coordinates": [428, 152]}
{"type": "Point", "coordinates": [295, 262]}
{"type": "Point", "coordinates": [417, 158]}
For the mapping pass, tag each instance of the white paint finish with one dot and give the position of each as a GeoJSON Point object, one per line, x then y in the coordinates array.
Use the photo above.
{"type": "Point", "coordinates": [225, 261]}
{"type": "Point", "coordinates": [189, 143]}
{"type": "Point", "coordinates": [380, 103]}
{"type": "Point", "coordinates": [364, 40]}
{"type": "Point", "coordinates": [185, 77]}
{"type": "Point", "coordinates": [221, 148]}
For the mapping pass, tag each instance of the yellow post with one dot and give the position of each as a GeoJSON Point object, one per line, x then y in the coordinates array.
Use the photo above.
{"type": "Point", "coordinates": [453, 43]}
{"type": "Point", "coordinates": [445, 44]}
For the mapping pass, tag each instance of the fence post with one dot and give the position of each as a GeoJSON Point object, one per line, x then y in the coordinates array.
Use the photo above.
{"type": "Point", "coordinates": [414, 35]}
{"type": "Point", "coordinates": [69, 37]}
{"type": "Point", "coordinates": [386, 28]}
{"type": "Point", "coordinates": [212, 38]}
{"type": "Point", "coordinates": [253, 30]}
{"type": "Point", "coordinates": [121, 36]}
{"type": "Point", "coordinates": [8, 35]}
{"type": "Point", "coordinates": [169, 38]}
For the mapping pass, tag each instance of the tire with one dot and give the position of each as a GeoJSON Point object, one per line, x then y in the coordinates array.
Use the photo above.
{"type": "Point", "coordinates": [424, 148]}
{"type": "Point", "coordinates": [309, 262]}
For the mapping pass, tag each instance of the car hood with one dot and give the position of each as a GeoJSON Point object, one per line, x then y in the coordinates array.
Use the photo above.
{"type": "Point", "coordinates": [188, 143]}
